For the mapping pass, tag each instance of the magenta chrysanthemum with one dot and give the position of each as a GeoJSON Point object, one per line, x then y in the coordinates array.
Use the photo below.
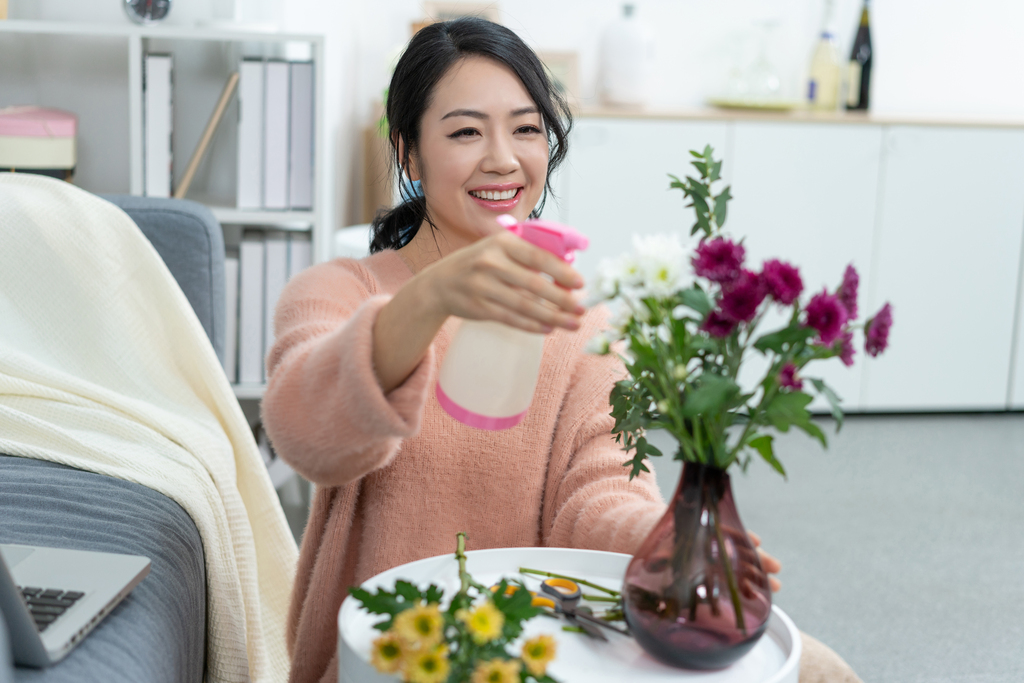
{"type": "Point", "coordinates": [846, 350]}
{"type": "Point", "coordinates": [718, 325]}
{"type": "Point", "coordinates": [827, 316]}
{"type": "Point", "coordinates": [847, 292]}
{"type": "Point", "coordinates": [788, 378]}
{"type": "Point", "coordinates": [876, 332]}
{"type": "Point", "coordinates": [741, 298]}
{"type": "Point", "coordinates": [719, 260]}
{"type": "Point", "coordinates": [782, 281]}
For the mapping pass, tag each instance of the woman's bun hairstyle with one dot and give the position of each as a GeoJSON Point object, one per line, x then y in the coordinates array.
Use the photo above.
{"type": "Point", "coordinates": [428, 57]}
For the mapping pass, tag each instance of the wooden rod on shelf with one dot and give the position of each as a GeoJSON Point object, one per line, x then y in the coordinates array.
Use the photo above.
{"type": "Point", "coordinates": [204, 142]}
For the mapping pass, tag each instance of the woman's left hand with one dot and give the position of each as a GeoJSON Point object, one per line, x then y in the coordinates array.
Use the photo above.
{"type": "Point", "coordinates": [768, 563]}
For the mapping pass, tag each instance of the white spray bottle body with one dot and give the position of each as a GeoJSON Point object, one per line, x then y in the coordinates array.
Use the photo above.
{"type": "Point", "coordinates": [489, 373]}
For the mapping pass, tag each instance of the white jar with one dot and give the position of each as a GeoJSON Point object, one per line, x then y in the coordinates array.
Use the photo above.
{"type": "Point", "coordinates": [627, 56]}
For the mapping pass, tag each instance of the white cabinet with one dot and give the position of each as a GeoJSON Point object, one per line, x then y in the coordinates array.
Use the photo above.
{"type": "Point", "coordinates": [806, 194]}
{"type": "Point", "coordinates": [948, 258]}
{"type": "Point", "coordinates": [615, 183]}
{"type": "Point", "coordinates": [931, 216]}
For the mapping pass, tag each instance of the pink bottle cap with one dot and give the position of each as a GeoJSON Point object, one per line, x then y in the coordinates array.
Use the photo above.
{"type": "Point", "coordinates": [560, 240]}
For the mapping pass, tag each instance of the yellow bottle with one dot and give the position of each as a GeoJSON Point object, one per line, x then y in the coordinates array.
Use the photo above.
{"type": "Point", "coordinates": [823, 84]}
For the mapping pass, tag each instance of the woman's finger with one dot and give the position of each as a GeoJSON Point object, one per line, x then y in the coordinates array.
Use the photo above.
{"type": "Point", "coordinates": [540, 286]}
{"type": "Point", "coordinates": [523, 304]}
{"type": "Point", "coordinates": [769, 563]}
{"type": "Point", "coordinates": [543, 261]}
{"type": "Point", "coordinates": [754, 538]}
{"type": "Point", "coordinates": [775, 584]}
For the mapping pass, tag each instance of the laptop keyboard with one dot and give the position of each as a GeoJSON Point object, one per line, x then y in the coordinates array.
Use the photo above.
{"type": "Point", "coordinates": [48, 604]}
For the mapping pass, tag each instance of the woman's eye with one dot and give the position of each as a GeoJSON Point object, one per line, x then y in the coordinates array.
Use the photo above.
{"type": "Point", "coordinates": [464, 133]}
{"type": "Point", "coordinates": [528, 129]}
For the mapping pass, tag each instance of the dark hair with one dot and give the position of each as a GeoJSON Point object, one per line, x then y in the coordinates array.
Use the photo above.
{"type": "Point", "coordinates": [429, 56]}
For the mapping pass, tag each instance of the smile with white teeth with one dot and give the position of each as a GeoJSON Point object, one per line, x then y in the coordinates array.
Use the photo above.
{"type": "Point", "coordinates": [495, 196]}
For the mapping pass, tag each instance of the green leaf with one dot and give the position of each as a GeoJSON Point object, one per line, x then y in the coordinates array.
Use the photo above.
{"type": "Point", "coordinates": [696, 187]}
{"type": "Point", "coordinates": [700, 205]}
{"type": "Point", "coordinates": [763, 445]}
{"type": "Point", "coordinates": [812, 429]}
{"type": "Point", "coordinates": [696, 154]}
{"type": "Point", "coordinates": [709, 398]}
{"type": "Point", "coordinates": [636, 465]}
{"type": "Point", "coordinates": [715, 172]}
{"type": "Point", "coordinates": [701, 166]}
{"type": "Point", "coordinates": [778, 340]}
{"type": "Point", "coordinates": [787, 409]}
{"type": "Point", "coordinates": [433, 594]}
{"type": "Point", "coordinates": [721, 202]}
{"type": "Point", "coordinates": [833, 401]}
{"type": "Point", "coordinates": [697, 300]}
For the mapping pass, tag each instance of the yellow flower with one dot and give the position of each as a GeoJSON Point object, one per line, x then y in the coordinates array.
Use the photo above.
{"type": "Point", "coordinates": [388, 653]}
{"type": "Point", "coordinates": [421, 625]}
{"type": "Point", "coordinates": [497, 671]}
{"type": "Point", "coordinates": [428, 666]}
{"type": "Point", "coordinates": [538, 653]}
{"type": "Point", "coordinates": [484, 623]}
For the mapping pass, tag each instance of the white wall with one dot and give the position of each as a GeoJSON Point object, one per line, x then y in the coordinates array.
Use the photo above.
{"type": "Point", "coordinates": [933, 57]}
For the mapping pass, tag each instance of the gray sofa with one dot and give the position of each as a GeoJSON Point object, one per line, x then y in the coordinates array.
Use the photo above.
{"type": "Point", "coordinates": [158, 633]}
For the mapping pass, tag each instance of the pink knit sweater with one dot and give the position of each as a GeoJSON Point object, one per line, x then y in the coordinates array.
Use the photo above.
{"type": "Point", "coordinates": [397, 477]}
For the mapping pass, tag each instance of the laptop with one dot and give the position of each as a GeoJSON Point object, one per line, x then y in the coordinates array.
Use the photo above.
{"type": "Point", "coordinates": [51, 598]}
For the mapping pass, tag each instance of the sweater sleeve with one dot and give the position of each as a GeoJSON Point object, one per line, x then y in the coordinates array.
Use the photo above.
{"type": "Point", "coordinates": [324, 408]}
{"type": "Point", "coordinates": [590, 501]}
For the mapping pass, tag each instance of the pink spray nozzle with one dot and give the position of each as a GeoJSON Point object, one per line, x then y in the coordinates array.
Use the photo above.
{"type": "Point", "coordinates": [560, 240]}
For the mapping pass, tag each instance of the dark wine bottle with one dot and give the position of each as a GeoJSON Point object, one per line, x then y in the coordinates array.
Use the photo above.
{"type": "Point", "coordinates": [859, 72]}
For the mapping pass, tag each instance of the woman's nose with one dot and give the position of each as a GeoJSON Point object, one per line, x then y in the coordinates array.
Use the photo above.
{"type": "Point", "coordinates": [501, 157]}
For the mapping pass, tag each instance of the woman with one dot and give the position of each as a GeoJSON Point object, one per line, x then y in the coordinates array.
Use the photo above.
{"type": "Point", "coordinates": [350, 402]}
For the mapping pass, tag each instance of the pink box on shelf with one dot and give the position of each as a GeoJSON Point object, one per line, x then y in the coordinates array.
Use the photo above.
{"type": "Point", "coordinates": [37, 138]}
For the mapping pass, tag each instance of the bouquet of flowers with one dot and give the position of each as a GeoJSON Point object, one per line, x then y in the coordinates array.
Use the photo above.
{"type": "Point", "coordinates": [466, 642]}
{"type": "Point", "coordinates": [688, 324]}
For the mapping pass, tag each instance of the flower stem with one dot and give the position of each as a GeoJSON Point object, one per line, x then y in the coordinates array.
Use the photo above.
{"type": "Point", "coordinates": [730, 577]}
{"type": "Point", "coordinates": [599, 598]}
{"type": "Point", "coordinates": [582, 582]}
{"type": "Point", "coordinates": [460, 555]}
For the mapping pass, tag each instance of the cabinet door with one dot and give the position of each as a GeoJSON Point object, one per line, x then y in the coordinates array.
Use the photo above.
{"type": "Point", "coordinates": [806, 194]}
{"type": "Point", "coordinates": [615, 182]}
{"type": "Point", "coordinates": [948, 258]}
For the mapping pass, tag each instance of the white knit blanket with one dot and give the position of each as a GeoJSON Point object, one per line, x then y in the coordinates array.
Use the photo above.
{"type": "Point", "coordinates": [105, 367]}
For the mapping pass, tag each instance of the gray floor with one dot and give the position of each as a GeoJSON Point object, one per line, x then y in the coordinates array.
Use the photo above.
{"type": "Point", "coordinates": [902, 545]}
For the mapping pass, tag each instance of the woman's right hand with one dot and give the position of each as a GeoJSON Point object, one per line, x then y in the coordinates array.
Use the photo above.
{"type": "Point", "coordinates": [502, 278]}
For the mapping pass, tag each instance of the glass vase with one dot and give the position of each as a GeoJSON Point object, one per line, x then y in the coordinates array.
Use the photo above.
{"type": "Point", "coordinates": [695, 595]}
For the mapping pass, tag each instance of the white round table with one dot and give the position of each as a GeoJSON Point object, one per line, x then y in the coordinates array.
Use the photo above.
{"type": "Point", "coordinates": [581, 659]}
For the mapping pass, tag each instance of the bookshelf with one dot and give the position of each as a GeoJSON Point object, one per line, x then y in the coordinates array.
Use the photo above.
{"type": "Point", "coordinates": [96, 71]}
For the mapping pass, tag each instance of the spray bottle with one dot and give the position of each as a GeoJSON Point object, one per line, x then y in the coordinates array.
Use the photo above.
{"type": "Point", "coordinates": [490, 371]}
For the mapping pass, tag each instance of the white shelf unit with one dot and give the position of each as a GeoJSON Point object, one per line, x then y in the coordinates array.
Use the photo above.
{"type": "Point", "coordinates": [95, 71]}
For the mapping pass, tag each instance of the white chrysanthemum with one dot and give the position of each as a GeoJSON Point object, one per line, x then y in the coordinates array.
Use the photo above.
{"type": "Point", "coordinates": [599, 345]}
{"type": "Point", "coordinates": [664, 334]}
{"type": "Point", "coordinates": [661, 261]}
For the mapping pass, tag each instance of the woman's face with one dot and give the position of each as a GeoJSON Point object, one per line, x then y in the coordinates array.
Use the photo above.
{"type": "Point", "coordinates": [483, 150]}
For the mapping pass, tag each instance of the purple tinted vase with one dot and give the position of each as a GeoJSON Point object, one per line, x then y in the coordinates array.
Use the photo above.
{"type": "Point", "coordinates": [695, 594]}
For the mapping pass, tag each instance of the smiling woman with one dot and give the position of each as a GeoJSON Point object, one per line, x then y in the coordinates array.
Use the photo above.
{"type": "Point", "coordinates": [350, 401]}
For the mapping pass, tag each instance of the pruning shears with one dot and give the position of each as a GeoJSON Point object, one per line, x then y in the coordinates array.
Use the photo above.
{"type": "Point", "coordinates": [563, 596]}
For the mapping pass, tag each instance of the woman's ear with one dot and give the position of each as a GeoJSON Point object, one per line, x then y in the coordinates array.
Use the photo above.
{"type": "Point", "coordinates": [409, 169]}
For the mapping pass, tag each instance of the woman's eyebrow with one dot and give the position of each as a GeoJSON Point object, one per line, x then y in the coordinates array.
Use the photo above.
{"type": "Point", "coordinates": [472, 113]}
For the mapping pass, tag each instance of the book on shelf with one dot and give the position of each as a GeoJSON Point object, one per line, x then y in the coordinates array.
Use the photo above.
{"type": "Point", "coordinates": [266, 261]}
{"type": "Point", "coordinates": [157, 124]}
{"type": "Point", "coordinates": [251, 257]}
{"type": "Point", "coordinates": [300, 253]}
{"type": "Point", "coordinates": [275, 140]}
{"type": "Point", "coordinates": [275, 134]}
{"type": "Point", "coordinates": [275, 277]}
{"type": "Point", "coordinates": [300, 139]}
{"type": "Point", "coordinates": [250, 134]}
{"type": "Point", "coordinates": [231, 317]}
